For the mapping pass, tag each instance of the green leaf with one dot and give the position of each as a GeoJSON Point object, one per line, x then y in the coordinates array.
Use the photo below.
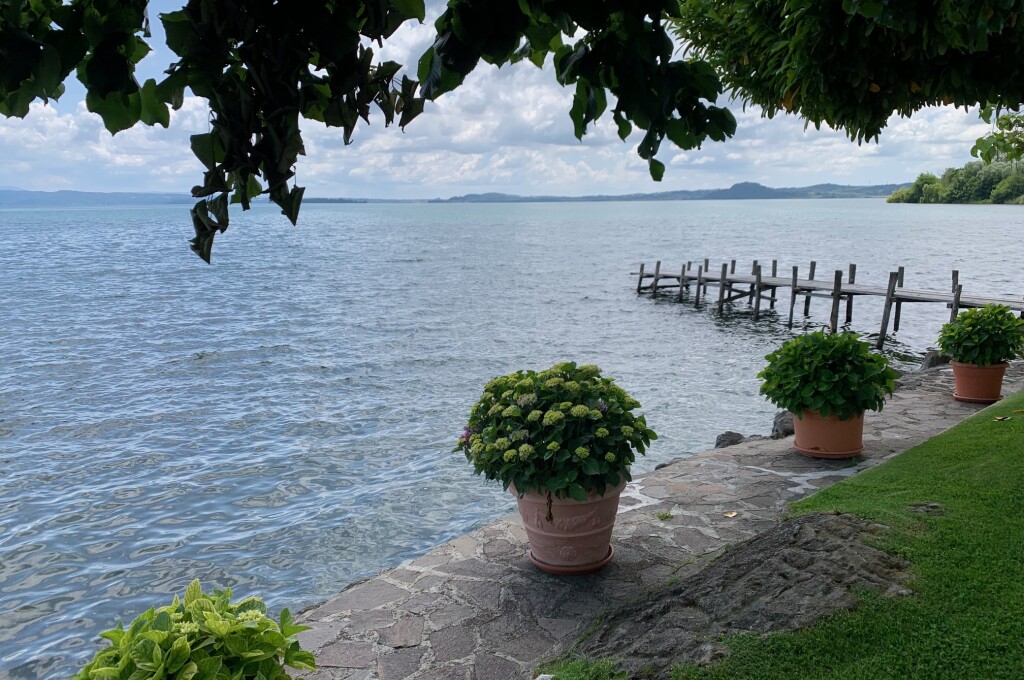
{"type": "Point", "coordinates": [48, 76]}
{"type": "Point", "coordinates": [680, 134]}
{"type": "Point", "coordinates": [162, 622]}
{"type": "Point", "coordinates": [193, 593]}
{"type": "Point", "coordinates": [208, 668]}
{"type": "Point", "coordinates": [624, 126]}
{"type": "Point", "coordinates": [119, 111]}
{"type": "Point", "coordinates": [154, 111]}
{"type": "Point", "coordinates": [208, 149]}
{"type": "Point", "coordinates": [557, 483]}
{"type": "Point", "coordinates": [411, 8]}
{"type": "Point", "coordinates": [577, 493]}
{"type": "Point", "coordinates": [657, 169]}
{"type": "Point", "coordinates": [188, 671]}
{"type": "Point", "coordinates": [287, 624]}
{"type": "Point", "coordinates": [178, 655]}
{"type": "Point", "coordinates": [115, 635]}
{"type": "Point", "coordinates": [297, 658]}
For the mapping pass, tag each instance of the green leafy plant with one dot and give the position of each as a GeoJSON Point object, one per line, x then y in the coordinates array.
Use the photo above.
{"type": "Point", "coordinates": [828, 373]}
{"type": "Point", "coordinates": [564, 431]}
{"type": "Point", "coordinates": [983, 336]}
{"type": "Point", "coordinates": [203, 637]}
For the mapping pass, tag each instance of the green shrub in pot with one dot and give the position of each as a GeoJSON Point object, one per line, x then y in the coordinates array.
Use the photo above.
{"type": "Point", "coordinates": [829, 373]}
{"type": "Point", "coordinates": [983, 336]}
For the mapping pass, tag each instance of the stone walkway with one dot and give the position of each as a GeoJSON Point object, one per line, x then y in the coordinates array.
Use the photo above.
{"type": "Point", "coordinates": [476, 609]}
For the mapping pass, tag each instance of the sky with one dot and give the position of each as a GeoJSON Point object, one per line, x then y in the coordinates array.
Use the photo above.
{"type": "Point", "coordinates": [505, 130]}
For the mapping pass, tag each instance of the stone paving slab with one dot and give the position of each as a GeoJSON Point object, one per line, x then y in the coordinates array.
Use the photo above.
{"type": "Point", "coordinates": [476, 609]}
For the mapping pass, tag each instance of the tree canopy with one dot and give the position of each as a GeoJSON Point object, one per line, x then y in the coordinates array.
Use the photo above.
{"type": "Point", "coordinates": [262, 65]}
{"type": "Point", "coordinates": [852, 64]}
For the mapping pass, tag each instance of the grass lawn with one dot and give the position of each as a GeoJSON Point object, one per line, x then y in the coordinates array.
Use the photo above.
{"type": "Point", "coordinates": [966, 620]}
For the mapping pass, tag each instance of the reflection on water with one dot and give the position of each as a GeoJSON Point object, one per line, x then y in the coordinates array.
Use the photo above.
{"type": "Point", "coordinates": [280, 423]}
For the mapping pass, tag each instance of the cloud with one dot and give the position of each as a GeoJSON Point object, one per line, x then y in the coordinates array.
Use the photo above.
{"type": "Point", "coordinates": [50, 149]}
{"type": "Point", "coordinates": [505, 129]}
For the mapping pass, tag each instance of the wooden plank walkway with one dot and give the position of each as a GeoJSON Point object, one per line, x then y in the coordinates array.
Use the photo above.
{"type": "Point", "coordinates": [757, 287]}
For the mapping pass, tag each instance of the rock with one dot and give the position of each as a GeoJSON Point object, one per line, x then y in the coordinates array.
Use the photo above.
{"type": "Point", "coordinates": [784, 579]}
{"type": "Point", "coordinates": [728, 438]}
{"type": "Point", "coordinates": [783, 425]}
{"type": "Point", "coordinates": [934, 358]}
{"type": "Point", "coordinates": [934, 509]}
{"type": "Point", "coordinates": [708, 653]}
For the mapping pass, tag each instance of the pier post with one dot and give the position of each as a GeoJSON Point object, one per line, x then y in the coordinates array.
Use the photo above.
{"type": "Point", "coordinates": [753, 272]}
{"type": "Point", "coordinates": [732, 270]}
{"type": "Point", "coordinates": [792, 295]}
{"type": "Point", "coordinates": [775, 273]}
{"type": "Point", "coordinates": [955, 307]}
{"type": "Point", "coordinates": [899, 303]}
{"type": "Point", "coordinates": [889, 293]}
{"type": "Point", "coordinates": [757, 292]}
{"type": "Point", "coordinates": [956, 280]}
{"type": "Point", "coordinates": [707, 268]}
{"type": "Point", "coordinates": [640, 281]}
{"type": "Point", "coordinates": [689, 266]}
{"type": "Point", "coordinates": [807, 298]}
{"type": "Point", "coordinates": [682, 277]}
{"type": "Point", "coordinates": [849, 298]}
{"type": "Point", "coordinates": [837, 293]}
{"type": "Point", "coordinates": [721, 289]}
{"type": "Point", "coordinates": [696, 289]}
{"type": "Point", "coordinates": [657, 271]}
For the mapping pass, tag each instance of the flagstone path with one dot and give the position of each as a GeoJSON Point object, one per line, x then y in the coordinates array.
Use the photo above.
{"type": "Point", "coordinates": [476, 609]}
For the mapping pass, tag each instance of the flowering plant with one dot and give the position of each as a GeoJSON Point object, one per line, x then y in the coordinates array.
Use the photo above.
{"type": "Point", "coordinates": [564, 431]}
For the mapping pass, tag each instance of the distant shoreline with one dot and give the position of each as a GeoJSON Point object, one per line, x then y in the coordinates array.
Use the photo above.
{"type": "Point", "coordinates": [18, 198]}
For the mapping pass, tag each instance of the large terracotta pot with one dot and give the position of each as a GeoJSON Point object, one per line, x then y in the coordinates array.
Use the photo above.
{"type": "Point", "coordinates": [978, 384]}
{"type": "Point", "coordinates": [828, 437]}
{"type": "Point", "coordinates": [577, 539]}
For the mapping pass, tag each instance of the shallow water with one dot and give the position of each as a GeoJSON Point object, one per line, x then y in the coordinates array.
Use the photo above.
{"type": "Point", "coordinates": [281, 422]}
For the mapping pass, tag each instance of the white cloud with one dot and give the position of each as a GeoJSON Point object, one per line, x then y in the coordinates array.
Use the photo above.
{"type": "Point", "coordinates": [505, 130]}
{"type": "Point", "coordinates": [57, 146]}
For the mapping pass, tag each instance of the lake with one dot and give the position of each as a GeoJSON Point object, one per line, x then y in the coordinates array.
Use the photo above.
{"type": "Point", "coordinates": [281, 422]}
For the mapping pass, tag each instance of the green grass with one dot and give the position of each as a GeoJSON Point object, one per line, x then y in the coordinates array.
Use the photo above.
{"type": "Point", "coordinates": [966, 619]}
{"type": "Point", "coordinates": [582, 669]}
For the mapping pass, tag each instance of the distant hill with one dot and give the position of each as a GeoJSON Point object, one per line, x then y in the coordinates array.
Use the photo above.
{"type": "Point", "coordinates": [743, 190]}
{"type": "Point", "coordinates": [17, 198]}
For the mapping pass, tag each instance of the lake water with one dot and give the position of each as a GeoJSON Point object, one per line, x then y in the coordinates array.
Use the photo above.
{"type": "Point", "coordinates": [280, 423]}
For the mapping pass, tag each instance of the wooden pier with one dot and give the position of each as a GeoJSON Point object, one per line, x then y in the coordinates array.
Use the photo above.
{"type": "Point", "coordinates": [762, 287]}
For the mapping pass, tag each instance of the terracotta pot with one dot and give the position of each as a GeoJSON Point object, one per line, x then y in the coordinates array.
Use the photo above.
{"type": "Point", "coordinates": [577, 540]}
{"type": "Point", "coordinates": [978, 384]}
{"type": "Point", "coordinates": [828, 437]}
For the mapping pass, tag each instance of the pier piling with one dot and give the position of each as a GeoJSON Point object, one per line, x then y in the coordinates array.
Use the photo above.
{"type": "Point", "coordinates": [757, 288]}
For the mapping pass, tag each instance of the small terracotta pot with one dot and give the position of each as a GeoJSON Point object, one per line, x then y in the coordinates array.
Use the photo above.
{"type": "Point", "coordinates": [978, 384]}
{"type": "Point", "coordinates": [828, 437]}
{"type": "Point", "coordinates": [577, 540]}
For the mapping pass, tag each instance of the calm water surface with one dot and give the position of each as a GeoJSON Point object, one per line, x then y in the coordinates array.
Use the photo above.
{"type": "Point", "coordinates": [280, 423]}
